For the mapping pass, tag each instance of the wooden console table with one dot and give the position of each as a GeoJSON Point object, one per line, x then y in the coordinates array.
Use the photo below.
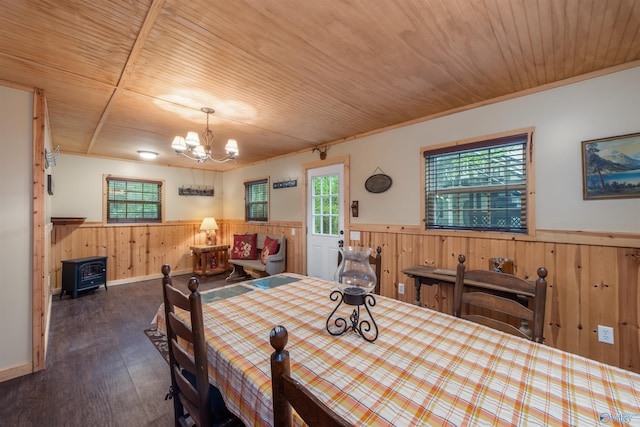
{"type": "Point", "coordinates": [423, 275]}
{"type": "Point", "coordinates": [209, 260]}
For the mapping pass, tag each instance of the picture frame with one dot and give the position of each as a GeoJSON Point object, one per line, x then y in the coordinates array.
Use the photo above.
{"type": "Point", "coordinates": [611, 167]}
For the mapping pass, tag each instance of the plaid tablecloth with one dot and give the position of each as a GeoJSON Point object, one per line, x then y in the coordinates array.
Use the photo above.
{"type": "Point", "coordinates": [425, 368]}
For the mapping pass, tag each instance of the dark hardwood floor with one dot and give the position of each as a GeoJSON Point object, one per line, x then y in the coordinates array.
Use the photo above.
{"type": "Point", "coordinates": [101, 369]}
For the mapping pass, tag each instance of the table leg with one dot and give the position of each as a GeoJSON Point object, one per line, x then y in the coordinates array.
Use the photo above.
{"type": "Point", "coordinates": [418, 284]}
{"type": "Point", "coordinates": [195, 259]}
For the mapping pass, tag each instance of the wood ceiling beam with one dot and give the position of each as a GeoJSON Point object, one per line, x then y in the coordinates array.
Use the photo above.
{"type": "Point", "coordinates": [147, 25]}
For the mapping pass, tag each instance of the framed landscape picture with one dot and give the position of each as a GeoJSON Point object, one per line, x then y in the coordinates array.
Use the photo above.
{"type": "Point", "coordinates": [611, 167]}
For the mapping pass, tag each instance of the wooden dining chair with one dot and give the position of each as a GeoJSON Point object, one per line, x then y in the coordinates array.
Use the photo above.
{"type": "Point", "coordinates": [195, 401]}
{"type": "Point", "coordinates": [376, 263]}
{"type": "Point", "coordinates": [498, 292]}
{"type": "Point", "coordinates": [288, 393]}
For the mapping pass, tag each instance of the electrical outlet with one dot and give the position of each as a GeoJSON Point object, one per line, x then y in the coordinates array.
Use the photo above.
{"type": "Point", "coordinates": [605, 334]}
{"type": "Point", "coordinates": [401, 288]}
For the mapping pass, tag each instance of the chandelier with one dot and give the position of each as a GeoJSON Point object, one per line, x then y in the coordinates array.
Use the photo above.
{"type": "Point", "coordinates": [191, 147]}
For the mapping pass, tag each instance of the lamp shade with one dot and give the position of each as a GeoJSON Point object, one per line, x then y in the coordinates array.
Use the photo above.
{"type": "Point", "coordinates": [192, 140]}
{"type": "Point", "coordinates": [209, 224]}
{"type": "Point", "coordinates": [232, 147]}
{"type": "Point", "coordinates": [178, 144]}
{"type": "Point", "coordinates": [200, 153]}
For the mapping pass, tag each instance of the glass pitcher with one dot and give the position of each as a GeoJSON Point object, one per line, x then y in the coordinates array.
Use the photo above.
{"type": "Point", "coordinates": [354, 275]}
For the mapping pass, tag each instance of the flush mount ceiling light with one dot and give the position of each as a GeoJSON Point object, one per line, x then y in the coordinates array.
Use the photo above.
{"type": "Point", "coordinates": [147, 155]}
{"type": "Point", "coordinates": [191, 147]}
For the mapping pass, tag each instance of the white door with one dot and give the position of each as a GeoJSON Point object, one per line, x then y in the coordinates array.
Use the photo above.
{"type": "Point", "coordinates": [325, 219]}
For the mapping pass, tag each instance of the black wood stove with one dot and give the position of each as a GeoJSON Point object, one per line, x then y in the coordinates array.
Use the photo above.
{"type": "Point", "coordinates": [83, 273]}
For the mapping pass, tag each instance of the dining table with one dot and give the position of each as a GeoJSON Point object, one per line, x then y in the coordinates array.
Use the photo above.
{"type": "Point", "coordinates": [424, 367]}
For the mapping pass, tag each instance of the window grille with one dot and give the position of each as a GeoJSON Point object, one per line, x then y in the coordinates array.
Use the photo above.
{"type": "Point", "coordinates": [325, 198]}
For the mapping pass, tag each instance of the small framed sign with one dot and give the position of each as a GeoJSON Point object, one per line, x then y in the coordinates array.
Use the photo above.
{"type": "Point", "coordinates": [285, 184]}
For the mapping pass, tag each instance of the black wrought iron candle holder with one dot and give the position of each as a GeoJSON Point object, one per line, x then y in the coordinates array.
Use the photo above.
{"type": "Point", "coordinates": [357, 297]}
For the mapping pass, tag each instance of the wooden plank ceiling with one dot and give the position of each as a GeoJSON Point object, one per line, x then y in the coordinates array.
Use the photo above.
{"type": "Point", "coordinates": [287, 75]}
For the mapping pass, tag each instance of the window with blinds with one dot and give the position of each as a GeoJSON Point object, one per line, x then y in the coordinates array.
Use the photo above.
{"type": "Point", "coordinates": [478, 186]}
{"type": "Point", "coordinates": [256, 200]}
{"type": "Point", "coordinates": [133, 200]}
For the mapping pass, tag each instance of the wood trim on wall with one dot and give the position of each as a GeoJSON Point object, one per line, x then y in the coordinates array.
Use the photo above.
{"type": "Point", "coordinates": [622, 240]}
{"type": "Point", "coordinates": [40, 247]}
{"type": "Point", "coordinates": [625, 240]}
{"type": "Point", "coordinates": [16, 371]}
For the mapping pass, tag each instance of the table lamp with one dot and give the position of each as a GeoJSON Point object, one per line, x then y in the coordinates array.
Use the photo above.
{"type": "Point", "coordinates": [207, 225]}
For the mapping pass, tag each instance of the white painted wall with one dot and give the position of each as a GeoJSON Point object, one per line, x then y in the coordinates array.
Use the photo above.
{"type": "Point", "coordinates": [16, 216]}
{"type": "Point", "coordinates": [285, 204]}
{"type": "Point", "coordinates": [78, 187]}
{"type": "Point", "coordinates": [562, 117]}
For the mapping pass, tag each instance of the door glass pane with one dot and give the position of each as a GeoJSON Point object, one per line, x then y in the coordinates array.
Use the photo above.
{"type": "Point", "coordinates": [325, 202]}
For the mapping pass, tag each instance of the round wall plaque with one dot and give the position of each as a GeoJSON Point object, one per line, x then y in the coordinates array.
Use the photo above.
{"type": "Point", "coordinates": [378, 183]}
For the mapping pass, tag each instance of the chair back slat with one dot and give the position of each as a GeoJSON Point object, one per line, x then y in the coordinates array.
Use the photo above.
{"type": "Point", "coordinates": [187, 390]}
{"type": "Point", "coordinates": [179, 328]}
{"type": "Point", "coordinates": [496, 324]}
{"type": "Point", "coordinates": [183, 359]}
{"type": "Point", "coordinates": [501, 304]}
{"type": "Point", "coordinates": [177, 298]}
{"type": "Point", "coordinates": [513, 283]}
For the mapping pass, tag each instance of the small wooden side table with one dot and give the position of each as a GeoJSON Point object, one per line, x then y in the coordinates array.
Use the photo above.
{"type": "Point", "coordinates": [209, 260]}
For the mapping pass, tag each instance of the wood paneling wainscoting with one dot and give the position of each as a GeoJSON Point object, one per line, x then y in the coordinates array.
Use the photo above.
{"type": "Point", "coordinates": [590, 283]}
{"type": "Point", "coordinates": [137, 252]}
{"type": "Point", "coordinates": [594, 278]}
{"type": "Point", "coordinates": [134, 252]}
